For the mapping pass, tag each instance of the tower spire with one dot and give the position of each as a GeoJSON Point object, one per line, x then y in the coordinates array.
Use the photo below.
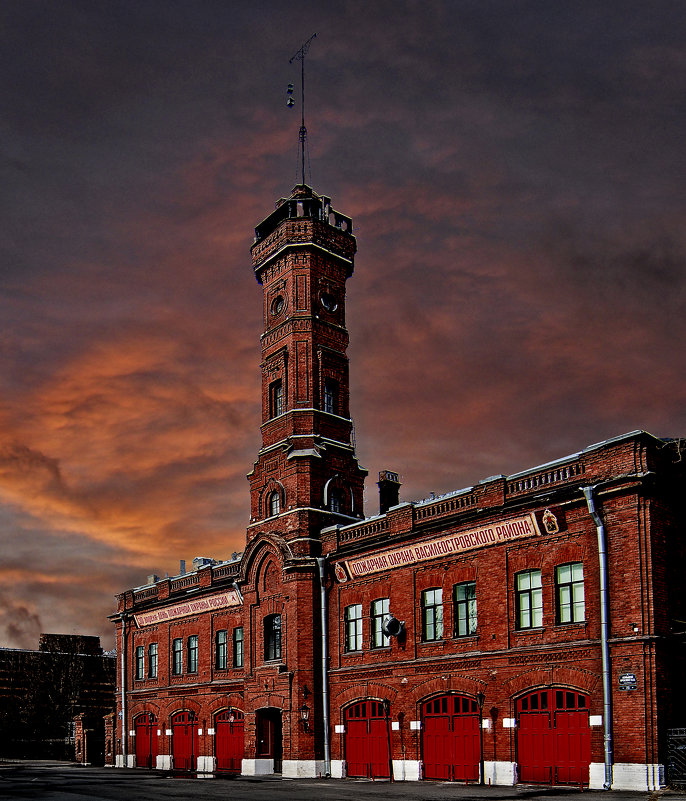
{"type": "Point", "coordinates": [300, 56]}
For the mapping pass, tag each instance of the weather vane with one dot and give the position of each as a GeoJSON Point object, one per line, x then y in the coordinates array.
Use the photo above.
{"type": "Point", "coordinates": [300, 56]}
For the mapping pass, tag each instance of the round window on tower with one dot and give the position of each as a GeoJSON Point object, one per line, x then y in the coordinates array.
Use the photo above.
{"type": "Point", "coordinates": [277, 305]}
{"type": "Point", "coordinates": [328, 301]}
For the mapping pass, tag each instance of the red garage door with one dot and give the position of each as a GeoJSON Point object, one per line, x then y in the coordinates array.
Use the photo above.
{"type": "Point", "coordinates": [228, 740]}
{"type": "Point", "coordinates": [184, 740]}
{"type": "Point", "coordinates": [553, 737]}
{"type": "Point", "coordinates": [451, 743]}
{"type": "Point", "coordinates": [145, 727]}
{"type": "Point", "coordinates": [366, 740]}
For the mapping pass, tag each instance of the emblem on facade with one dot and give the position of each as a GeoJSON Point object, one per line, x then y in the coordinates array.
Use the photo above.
{"type": "Point", "coordinates": [339, 572]}
{"type": "Point", "coordinates": [550, 522]}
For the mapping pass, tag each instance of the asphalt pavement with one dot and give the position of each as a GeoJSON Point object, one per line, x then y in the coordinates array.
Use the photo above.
{"type": "Point", "coordinates": [64, 781]}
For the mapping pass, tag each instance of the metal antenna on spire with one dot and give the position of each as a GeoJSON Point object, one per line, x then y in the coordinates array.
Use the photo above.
{"type": "Point", "coordinates": [300, 56]}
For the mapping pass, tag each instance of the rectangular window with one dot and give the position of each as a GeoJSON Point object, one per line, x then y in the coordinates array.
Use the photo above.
{"type": "Point", "coordinates": [331, 396]}
{"type": "Point", "coordinates": [569, 583]}
{"type": "Point", "coordinates": [272, 637]}
{"type": "Point", "coordinates": [465, 609]}
{"type": "Point", "coordinates": [432, 614]}
{"type": "Point", "coordinates": [140, 662]}
{"type": "Point", "coordinates": [353, 627]}
{"type": "Point", "coordinates": [238, 647]}
{"type": "Point", "coordinates": [528, 600]}
{"type": "Point", "coordinates": [221, 649]}
{"type": "Point", "coordinates": [380, 611]}
{"type": "Point", "coordinates": [193, 653]}
{"type": "Point", "coordinates": [152, 660]}
{"type": "Point", "coordinates": [177, 657]}
{"type": "Point", "coordinates": [276, 398]}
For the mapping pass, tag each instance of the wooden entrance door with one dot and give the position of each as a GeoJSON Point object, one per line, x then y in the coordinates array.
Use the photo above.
{"type": "Point", "coordinates": [145, 726]}
{"type": "Point", "coordinates": [229, 741]}
{"type": "Point", "coordinates": [269, 737]}
{"type": "Point", "coordinates": [366, 740]}
{"type": "Point", "coordinates": [553, 737]}
{"type": "Point", "coordinates": [450, 741]}
{"type": "Point", "coordinates": [184, 740]}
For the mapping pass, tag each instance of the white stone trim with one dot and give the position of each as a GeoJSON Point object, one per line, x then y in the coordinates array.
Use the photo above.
{"type": "Point", "coordinates": [337, 769]}
{"type": "Point", "coordinates": [257, 767]}
{"type": "Point", "coordinates": [210, 732]}
{"type": "Point", "coordinates": [486, 723]}
{"type": "Point", "coordinates": [502, 773]}
{"type": "Point", "coordinates": [509, 723]}
{"type": "Point", "coordinates": [406, 770]}
{"type": "Point", "coordinates": [168, 732]}
{"type": "Point", "coordinates": [415, 725]}
{"type": "Point", "coordinates": [206, 764]}
{"type": "Point", "coordinates": [644, 778]}
{"type": "Point", "coordinates": [303, 768]}
{"type": "Point", "coordinates": [131, 761]}
{"type": "Point", "coordinates": [595, 720]}
{"type": "Point", "coordinates": [163, 762]}
{"type": "Point", "coordinates": [395, 725]}
{"type": "Point", "coordinates": [119, 761]}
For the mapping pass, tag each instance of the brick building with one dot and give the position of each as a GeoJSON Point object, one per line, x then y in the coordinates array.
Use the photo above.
{"type": "Point", "coordinates": [518, 630]}
{"type": "Point", "coordinates": [43, 691]}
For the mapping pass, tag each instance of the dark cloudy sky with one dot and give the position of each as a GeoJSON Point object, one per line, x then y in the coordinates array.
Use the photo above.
{"type": "Point", "coordinates": [515, 171]}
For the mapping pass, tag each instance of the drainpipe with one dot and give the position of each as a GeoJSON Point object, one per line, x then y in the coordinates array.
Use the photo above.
{"type": "Point", "coordinates": [321, 561]}
{"type": "Point", "coordinates": [604, 633]}
{"type": "Point", "coordinates": [123, 690]}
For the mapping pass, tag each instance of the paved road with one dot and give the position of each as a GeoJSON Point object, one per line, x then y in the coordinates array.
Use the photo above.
{"type": "Point", "coordinates": [60, 781]}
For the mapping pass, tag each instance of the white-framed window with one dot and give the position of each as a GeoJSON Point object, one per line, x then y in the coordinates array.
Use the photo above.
{"type": "Point", "coordinates": [353, 627]}
{"type": "Point", "coordinates": [528, 600]}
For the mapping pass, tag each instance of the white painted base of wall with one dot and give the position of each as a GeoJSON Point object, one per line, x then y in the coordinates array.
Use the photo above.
{"type": "Point", "coordinates": [206, 764]}
{"type": "Point", "coordinates": [257, 767]}
{"type": "Point", "coordinates": [337, 769]}
{"type": "Point", "coordinates": [406, 770]}
{"type": "Point", "coordinates": [164, 762]}
{"type": "Point", "coordinates": [118, 760]}
{"type": "Point", "coordinates": [303, 768]}
{"type": "Point", "coordinates": [629, 776]}
{"type": "Point", "coordinates": [130, 760]}
{"type": "Point", "coordinates": [503, 773]}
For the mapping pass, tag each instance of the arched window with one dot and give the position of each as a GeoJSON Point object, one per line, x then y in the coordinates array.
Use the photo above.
{"type": "Point", "coordinates": [274, 503]}
{"type": "Point", "coordinates": [272, 637]}
{"type": "Point", "coordinates": [335, 499]}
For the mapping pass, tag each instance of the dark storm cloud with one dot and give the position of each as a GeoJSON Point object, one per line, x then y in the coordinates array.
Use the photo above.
{"type": "Point", "coordinates": [515, 176]}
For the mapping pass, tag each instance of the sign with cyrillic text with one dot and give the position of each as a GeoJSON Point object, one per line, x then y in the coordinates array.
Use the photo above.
{"type": "Point", "coordinates": [221, 600]}
{"type": "Point", "coordinates": [446, 546]}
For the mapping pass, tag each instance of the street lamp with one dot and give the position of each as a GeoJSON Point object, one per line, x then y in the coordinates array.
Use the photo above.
{"type": "Point", "coordinates": [305, 716]}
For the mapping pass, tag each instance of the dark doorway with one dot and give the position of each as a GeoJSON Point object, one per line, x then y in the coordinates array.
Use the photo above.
{"type": "Point", "coordinates": [269, 737]}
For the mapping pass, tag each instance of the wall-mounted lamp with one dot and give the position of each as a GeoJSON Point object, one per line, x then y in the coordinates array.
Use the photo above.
{"type": "Point", "coordinates": [480, 698]}
{"type": "Point", "coordinates": [305, 716]}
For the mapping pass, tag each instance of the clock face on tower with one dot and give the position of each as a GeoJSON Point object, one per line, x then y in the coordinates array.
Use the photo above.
{"type": "Point", "coordinates": [328, 301]}
{"type": "Point", "coordinates": [277, 305]}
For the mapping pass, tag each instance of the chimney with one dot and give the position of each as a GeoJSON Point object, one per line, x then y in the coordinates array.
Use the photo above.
{"type": "Point", "coordinates": [182, 567]}
{"type": "Point", "coordinates": [389, 490]}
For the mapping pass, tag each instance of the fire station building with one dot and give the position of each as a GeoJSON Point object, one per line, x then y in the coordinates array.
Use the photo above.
{"type": "Point", "coordinates": [524, 629]}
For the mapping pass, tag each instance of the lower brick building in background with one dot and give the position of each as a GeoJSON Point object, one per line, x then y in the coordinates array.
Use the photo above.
{"type": "Point", "coordinates": [42, 693]}
{"type": "Point", "coordinates": [523, 629]}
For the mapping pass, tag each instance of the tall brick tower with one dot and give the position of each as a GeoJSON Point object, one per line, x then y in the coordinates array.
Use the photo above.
{"type": "Point", "coordinates": [306, 478]}
{"type": "Point", "coordinates": [306, 475]}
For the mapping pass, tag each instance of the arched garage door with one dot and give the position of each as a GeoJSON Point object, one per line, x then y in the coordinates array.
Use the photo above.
{"type": "Point", "coordinates": [184, 740]}
{"type": "Point", "coordinates": [145, 726]}
{"type": "Point", "coordinates": [366, 740]}
{"type": "Point", "coordinates": [553, 737]}
{"type": "Point", "coordinates": [228, 740]}
{"type": "Point", "coordinates": [450, 739]}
